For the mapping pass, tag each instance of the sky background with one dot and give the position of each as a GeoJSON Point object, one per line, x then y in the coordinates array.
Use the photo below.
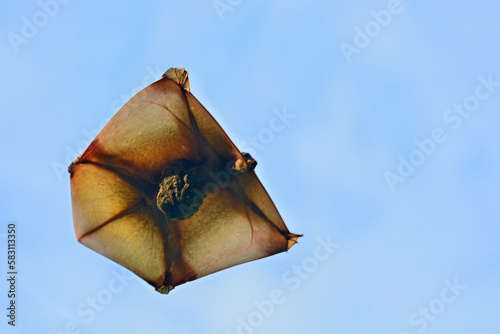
{"type": "Point", "coordinates": [420, 256]}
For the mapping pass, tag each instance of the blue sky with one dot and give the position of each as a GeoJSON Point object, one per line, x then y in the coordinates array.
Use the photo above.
{"type": "Point", "coordinates": [415, 103]}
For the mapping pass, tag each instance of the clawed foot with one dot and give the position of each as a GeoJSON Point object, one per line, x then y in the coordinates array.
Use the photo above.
{"type": "Point", "coordinates": [179, 75]}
